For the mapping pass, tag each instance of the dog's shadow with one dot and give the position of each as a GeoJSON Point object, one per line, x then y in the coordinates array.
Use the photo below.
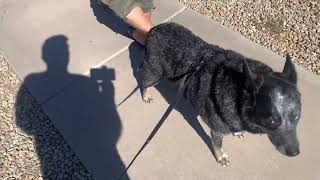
{"type": "Point", "coordinates": [168, 91]}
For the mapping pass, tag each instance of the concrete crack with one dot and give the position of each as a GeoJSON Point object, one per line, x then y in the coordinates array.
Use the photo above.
{"type": "Point", "coordinates": [3, 15]}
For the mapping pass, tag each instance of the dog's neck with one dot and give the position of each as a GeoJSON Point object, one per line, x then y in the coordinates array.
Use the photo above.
{"type": "Point", "coordinates": [248, 122]}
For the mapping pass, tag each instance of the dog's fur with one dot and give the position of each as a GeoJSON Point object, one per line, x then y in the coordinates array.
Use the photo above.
{"type": "Point", "coordinates": [231, 93]}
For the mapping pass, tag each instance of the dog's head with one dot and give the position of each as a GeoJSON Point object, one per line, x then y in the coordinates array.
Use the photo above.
{"type": "Point", "coordinates": [277, 106]}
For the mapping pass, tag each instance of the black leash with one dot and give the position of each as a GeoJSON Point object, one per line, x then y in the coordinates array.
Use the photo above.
{"type": "Point", "coordinates": [134, 90]}
{"type": "Point", "coordinates": [125, 99]}
{"type": "Point", "coordinates": [184, 81]}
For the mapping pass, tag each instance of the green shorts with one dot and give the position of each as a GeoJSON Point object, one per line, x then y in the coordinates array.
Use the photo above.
{"type": "Point", "coordinates": [123, 7]}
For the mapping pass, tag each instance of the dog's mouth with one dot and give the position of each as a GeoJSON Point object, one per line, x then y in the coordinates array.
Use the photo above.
{"type": "Point", "coordinates": [290, 151]}
{"type": "Point", "coordinates": [286, 142]}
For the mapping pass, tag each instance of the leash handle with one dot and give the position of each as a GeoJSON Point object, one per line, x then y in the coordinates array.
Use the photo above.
{"type": "Point", "coordinates": [184, 81]}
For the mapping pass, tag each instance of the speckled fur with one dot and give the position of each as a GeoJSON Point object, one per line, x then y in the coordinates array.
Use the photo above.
{"type": "Point", "coordinates": [225, 89]}
{"type": "Point", "coordinates": [169, 57]}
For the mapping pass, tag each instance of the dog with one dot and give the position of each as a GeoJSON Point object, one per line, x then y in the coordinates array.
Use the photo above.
{"type": "Point", "coordinates": [231, 93]}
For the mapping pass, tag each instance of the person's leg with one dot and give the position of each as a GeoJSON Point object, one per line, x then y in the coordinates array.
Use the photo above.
{"type": "Point", "coordinates": [142, 22]}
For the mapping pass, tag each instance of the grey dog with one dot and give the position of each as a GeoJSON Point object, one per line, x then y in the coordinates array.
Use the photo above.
{"type": "Point", "coordinates": [231, 93]}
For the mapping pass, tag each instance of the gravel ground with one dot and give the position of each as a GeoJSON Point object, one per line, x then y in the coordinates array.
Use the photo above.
{"type": "Point", "coordinates": [30, 146]}
{"type": "Point", "coordinates": [283, 26]}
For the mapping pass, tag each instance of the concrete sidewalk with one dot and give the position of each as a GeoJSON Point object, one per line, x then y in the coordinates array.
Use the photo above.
{"type": "Point", "coordinates": [80, 95]}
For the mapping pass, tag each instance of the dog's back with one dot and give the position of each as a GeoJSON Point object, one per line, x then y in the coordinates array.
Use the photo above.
{"type": "Point", "coordinates": [172, 49]}
{"type": "Point", "coordinates": [168, 54]}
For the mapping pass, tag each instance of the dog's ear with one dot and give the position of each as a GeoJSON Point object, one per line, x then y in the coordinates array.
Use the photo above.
{"type": "Point", "coordinates": [253, 81]}
{"type": "Point", "coordinates": [289, 71]}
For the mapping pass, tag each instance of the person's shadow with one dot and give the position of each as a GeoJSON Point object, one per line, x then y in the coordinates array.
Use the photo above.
{"type": "Point", "coordinates": [85, 114]}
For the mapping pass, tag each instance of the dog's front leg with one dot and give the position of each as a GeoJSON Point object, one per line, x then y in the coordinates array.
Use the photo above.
{"type": "Point", "coordinates": [221, 157]}
{"type": "Point", "coordinates": [150, 79]}
{"type": "Point", "coordinates": [239, 134]}
{"type": "Point", "coordinates": [146, 95]}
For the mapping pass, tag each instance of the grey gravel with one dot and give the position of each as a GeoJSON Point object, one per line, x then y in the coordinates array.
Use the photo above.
{"type": "Point", "coordinates": [30, 146]}
{"type": "Point", "coordinates": [284, 26]}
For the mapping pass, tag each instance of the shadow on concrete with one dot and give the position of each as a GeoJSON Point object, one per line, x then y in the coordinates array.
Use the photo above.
{"type": "Point", "coordinates": [168, 90]}
{"type": "Point", "coordinates": [84, 113]}
{"type": "Point", "coordinates": [107, 17]}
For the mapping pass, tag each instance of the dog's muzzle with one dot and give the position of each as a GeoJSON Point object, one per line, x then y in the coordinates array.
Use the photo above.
{"type": "Point", "coordinates": [286, 142]}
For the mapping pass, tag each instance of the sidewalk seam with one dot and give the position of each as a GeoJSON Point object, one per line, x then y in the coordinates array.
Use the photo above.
{"type": "Point", "coordinates": [127, 46]}
{"type": "Point", "coordinates": [175, 14]}
{"type": "Point", "coordinates": [87, 73]}
{"type": "Point", "coordinates": [108, 59]}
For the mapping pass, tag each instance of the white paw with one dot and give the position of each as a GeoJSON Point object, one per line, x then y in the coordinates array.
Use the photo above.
{"type": "Point", "coordinates": [224, 160]}
{"type": "Point", "coordinates": [239, 134]}
{"type": "Point", "coordinates": [147, 98]}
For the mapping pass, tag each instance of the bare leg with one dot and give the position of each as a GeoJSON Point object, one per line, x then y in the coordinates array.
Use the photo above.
{"type": "Point", "coordinates": [142, 22]}
{"type": "Point", "coordinates": [221, 157]}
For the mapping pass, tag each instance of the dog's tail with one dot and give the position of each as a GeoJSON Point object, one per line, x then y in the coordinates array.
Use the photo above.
{"type": "Point", "coordinates": [125, 99]}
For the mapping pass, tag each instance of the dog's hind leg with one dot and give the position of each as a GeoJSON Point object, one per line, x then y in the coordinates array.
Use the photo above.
{"type": "Point", "coordinates": [221, 157]}
{"type": "Point", "coordinates": [149, 80]}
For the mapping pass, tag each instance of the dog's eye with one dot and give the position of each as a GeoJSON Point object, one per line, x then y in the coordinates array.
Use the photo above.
{"type": "Point", "coordinates": [295, 117]}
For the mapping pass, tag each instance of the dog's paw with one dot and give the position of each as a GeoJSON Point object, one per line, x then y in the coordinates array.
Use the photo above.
{"type": "Point", "coordinates": [239, 134]}
{"type": "Point", "coordinates": [148, 98]}
{"type": "Point", "coordinates": [224, 160]}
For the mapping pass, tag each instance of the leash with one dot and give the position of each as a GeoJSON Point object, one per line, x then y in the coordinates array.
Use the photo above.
{"type": "Point", "coordinates": [125, 99]}
{"type": "Point", "coordinates": [134, 90]}
{"type": "Point", "coordinates": [184, 81]}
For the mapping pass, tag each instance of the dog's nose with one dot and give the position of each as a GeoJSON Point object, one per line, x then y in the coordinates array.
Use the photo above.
{"type": "Point", "coordinates": [293, 152]}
